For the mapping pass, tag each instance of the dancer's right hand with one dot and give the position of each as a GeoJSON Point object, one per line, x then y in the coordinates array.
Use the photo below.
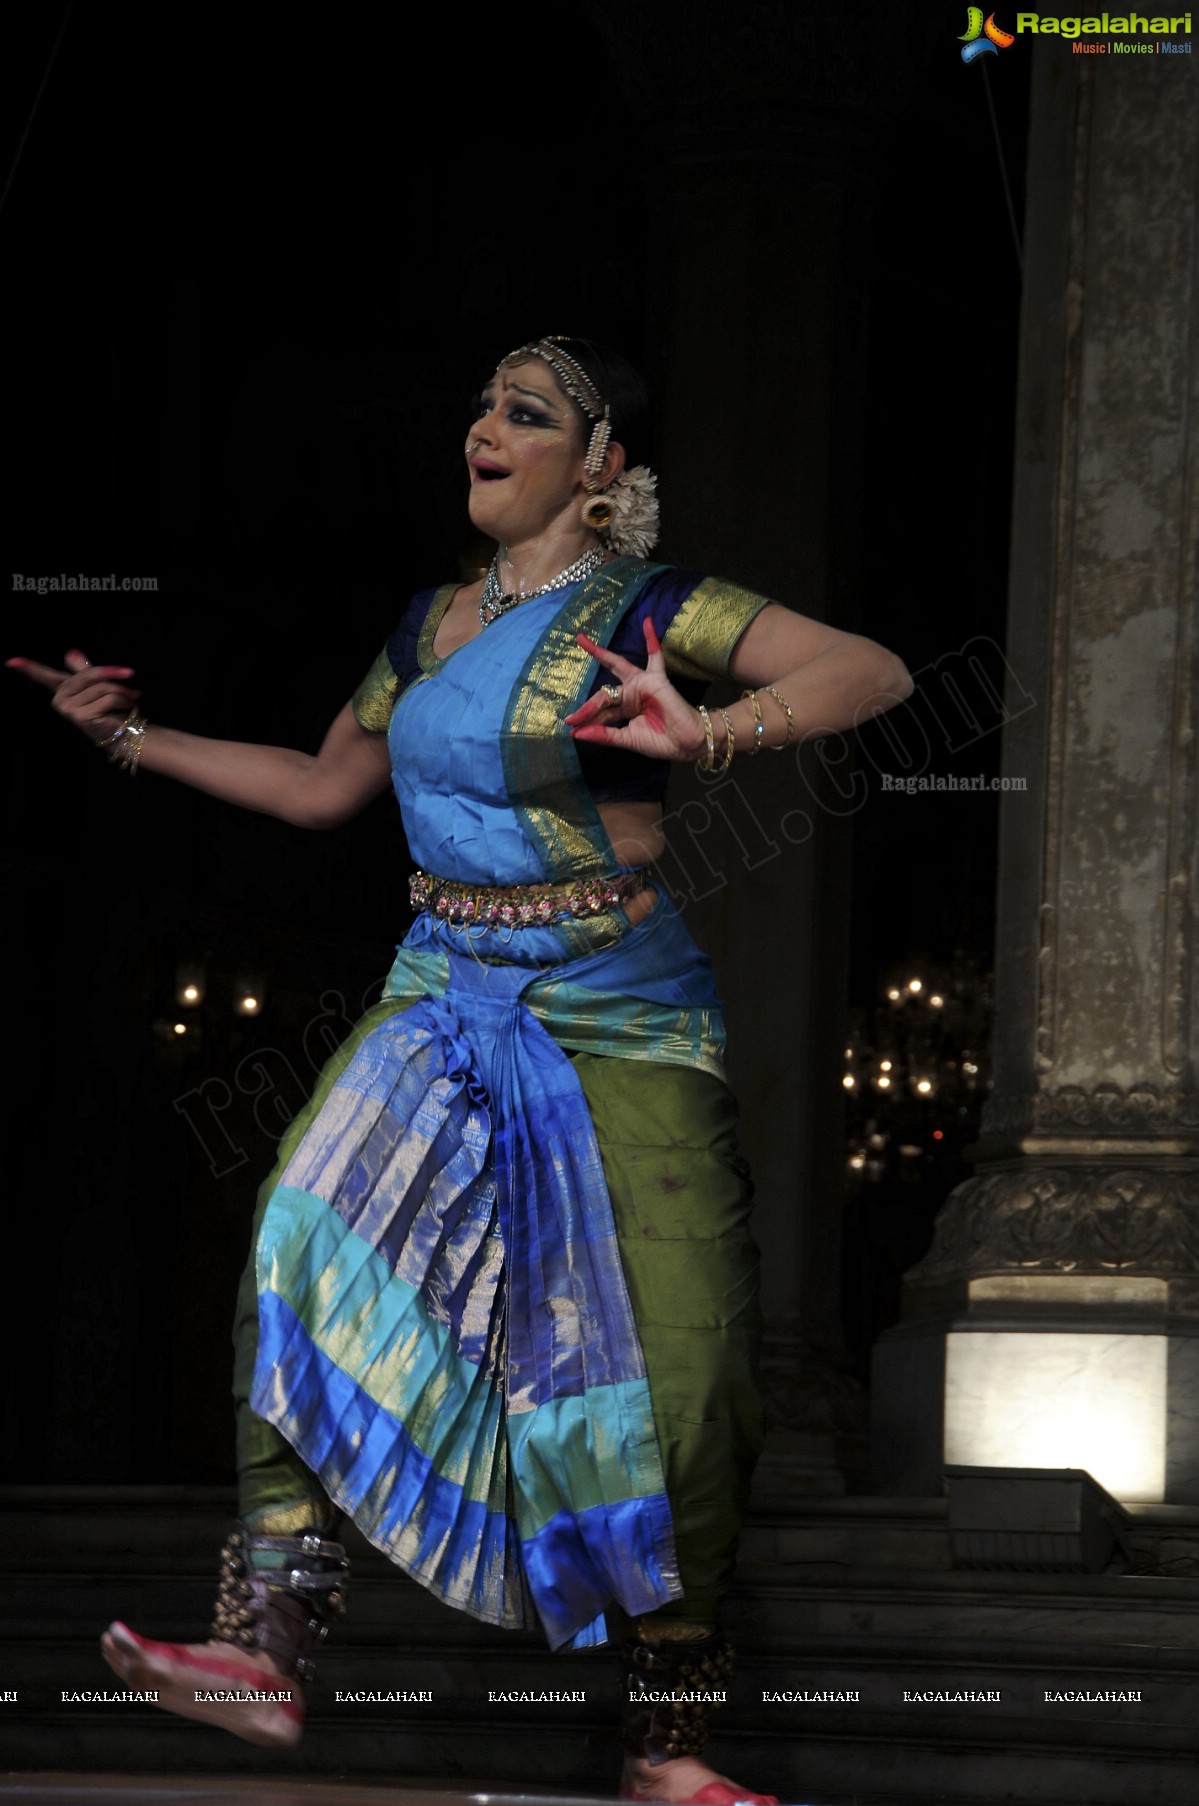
{"type": "Point", "coordinates": [93, 698]}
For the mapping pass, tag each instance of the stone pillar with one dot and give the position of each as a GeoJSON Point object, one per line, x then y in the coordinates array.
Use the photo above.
{"type": "Point", "coordinates": [1051, 1323]}
{"type": "Point", "coordinates": [757, 183]}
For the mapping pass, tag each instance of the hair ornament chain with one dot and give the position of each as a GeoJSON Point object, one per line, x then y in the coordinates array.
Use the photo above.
{"type": "Point", "coordinates": [570, 373]}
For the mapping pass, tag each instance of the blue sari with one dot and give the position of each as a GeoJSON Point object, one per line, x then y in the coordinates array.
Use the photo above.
{"type": "Point", "coordinates": [445, 1335]}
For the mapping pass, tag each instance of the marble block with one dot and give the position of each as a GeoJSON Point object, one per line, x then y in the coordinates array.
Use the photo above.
{"type": "Point", "coordinates": [1052, 1398]}
{"type": "Point", "coordinates": [1119, 1403]}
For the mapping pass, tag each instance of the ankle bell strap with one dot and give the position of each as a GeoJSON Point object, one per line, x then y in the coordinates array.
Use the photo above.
{"type": "Point", "coordinates": [671, 1690]}
{"type": "Point", "coordinates": [277, 1593]}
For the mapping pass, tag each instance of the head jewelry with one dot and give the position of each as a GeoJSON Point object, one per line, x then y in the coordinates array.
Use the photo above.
{"type": "Point", "coordinates": [627, 517]}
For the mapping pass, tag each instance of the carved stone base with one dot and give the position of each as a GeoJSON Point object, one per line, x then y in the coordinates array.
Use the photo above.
{"type": "Point", "coordinates": [1053, 1323]}
{"type": "Point", "coordinates": [1134, 1220]}
{"type": "Point", "coordinates": [1165, 1116]}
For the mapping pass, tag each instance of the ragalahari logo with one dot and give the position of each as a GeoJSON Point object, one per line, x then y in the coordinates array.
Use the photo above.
{"type": "Point", "coordinates": [983, 37]}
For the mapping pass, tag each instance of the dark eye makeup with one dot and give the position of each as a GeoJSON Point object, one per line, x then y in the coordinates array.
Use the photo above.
{"type": "Point", "coordinates": [519, 412]}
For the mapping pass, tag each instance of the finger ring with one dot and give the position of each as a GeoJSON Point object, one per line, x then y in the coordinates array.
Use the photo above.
{"type": "Point", "coordinates": [612, 692]}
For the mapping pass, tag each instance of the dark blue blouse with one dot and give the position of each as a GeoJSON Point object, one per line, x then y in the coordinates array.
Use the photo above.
{"type": "Point", "coordinates": [698, 622]}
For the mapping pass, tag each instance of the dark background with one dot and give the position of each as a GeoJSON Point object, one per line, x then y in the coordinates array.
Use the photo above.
{"type": "Point", "coordinates": [258, 261]}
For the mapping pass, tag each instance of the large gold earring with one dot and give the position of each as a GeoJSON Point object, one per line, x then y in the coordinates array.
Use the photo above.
{"type": "Point", "coordinates": [597, 513]}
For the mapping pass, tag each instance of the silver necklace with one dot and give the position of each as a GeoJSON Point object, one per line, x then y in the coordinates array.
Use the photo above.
{"type": "Point", "coordinates": [494, 602]}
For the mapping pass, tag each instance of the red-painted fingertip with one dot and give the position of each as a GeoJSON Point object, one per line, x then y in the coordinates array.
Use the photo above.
{"type": "Point", "coordinates": [16, 664]}
{"type": "Point", "coordinates": [652, 641]}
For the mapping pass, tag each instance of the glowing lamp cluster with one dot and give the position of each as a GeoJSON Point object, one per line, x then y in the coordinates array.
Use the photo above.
{"type": "Point", "coordinates": [191, 990]}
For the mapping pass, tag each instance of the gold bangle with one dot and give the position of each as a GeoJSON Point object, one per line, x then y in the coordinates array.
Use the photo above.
{"type": "Point", "coordinates": [751, 696]}
{"type": "Point", "coordinates": [786, 708]}
{"type": "Point", "coordinates": [708, 762]}
{"type": "Point", "coordinates": [728, 749]}
{"type": "Point", "coordinates": [124, 744]}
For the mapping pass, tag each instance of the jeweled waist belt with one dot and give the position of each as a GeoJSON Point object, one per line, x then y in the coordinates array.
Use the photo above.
{"type": "Point", "coordinates": [522, 905]}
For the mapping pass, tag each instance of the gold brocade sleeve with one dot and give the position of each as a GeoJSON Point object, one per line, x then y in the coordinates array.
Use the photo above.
{"type": "Point", "coordinates": [700, 640]}
{"type": "Point", "coordinates": [374, 699]}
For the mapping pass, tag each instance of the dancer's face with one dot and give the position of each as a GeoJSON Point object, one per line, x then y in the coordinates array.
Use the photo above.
{"type": "Point", "coordinates": [525, 455]}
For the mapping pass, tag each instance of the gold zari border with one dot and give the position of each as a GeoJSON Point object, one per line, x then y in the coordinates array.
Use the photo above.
{"type": "Point", "coordinates": [701, 639]}
{"type": "Point", "coordinates": [374, 699]}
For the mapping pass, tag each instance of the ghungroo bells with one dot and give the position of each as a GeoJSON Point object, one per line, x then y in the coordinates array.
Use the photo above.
{"type": "Point", "coordinates": [277, 1594]}
{"type": "Point", "coordinates": [672, 1690]}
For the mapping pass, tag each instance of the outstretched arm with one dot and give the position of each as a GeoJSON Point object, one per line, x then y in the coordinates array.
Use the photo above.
{"type": "Point", "coordinates": [310, 790]}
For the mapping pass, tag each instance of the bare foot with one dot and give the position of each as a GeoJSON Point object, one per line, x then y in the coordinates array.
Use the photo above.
{"type": "Point", "coordinates": [216, 1683]}
{"type": "Point", "coordinates": [684, 1779]}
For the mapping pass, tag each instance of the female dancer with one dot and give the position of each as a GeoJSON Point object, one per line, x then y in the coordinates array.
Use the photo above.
{"type": "Point", "coordinates": [501, 1308]}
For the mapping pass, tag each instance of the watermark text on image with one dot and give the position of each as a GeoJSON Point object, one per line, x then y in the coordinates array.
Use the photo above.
{"type": "Point", "coordinates": [75, 581]}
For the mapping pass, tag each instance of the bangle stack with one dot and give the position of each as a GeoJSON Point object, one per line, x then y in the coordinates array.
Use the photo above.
{"type": "Point", "coordinates": [707, 763]}
{"type": "Point", "coordinates": [124, 744]}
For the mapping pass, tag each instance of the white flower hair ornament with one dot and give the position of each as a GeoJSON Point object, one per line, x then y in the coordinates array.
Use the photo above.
{"type": "Point", "coordinates": [625, 514]}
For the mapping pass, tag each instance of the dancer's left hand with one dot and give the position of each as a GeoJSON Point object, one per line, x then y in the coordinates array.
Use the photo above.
{"type": "Point", "coordinates": [658, 722]}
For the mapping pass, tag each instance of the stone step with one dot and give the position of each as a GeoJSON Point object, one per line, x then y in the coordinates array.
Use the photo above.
{"type": "Point", "coordinates": [842, 1597]}
{"type": "Point", "coordinates": [823, 1768]}
{"type": "Point", "coordinates": [156, 1528]}
{"type": "Point", "coordinates": [158, 1788]}
{"type": "Point", "coordinates": [49, 1788]}
{"type": "Point", "coordinates": [1109, 1624]}
{"type": "Point", "coordinates": [880, 1699]}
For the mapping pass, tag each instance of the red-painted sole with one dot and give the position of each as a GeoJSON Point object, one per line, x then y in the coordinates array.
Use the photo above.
{"type": "Point", "coordinates": [178, 1674]}
{"type": "Point", "coordinates": [715, 1793]}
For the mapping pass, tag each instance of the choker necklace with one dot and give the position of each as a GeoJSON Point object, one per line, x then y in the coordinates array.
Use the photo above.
{"type": "Point", "coordinates": [494, 602]}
